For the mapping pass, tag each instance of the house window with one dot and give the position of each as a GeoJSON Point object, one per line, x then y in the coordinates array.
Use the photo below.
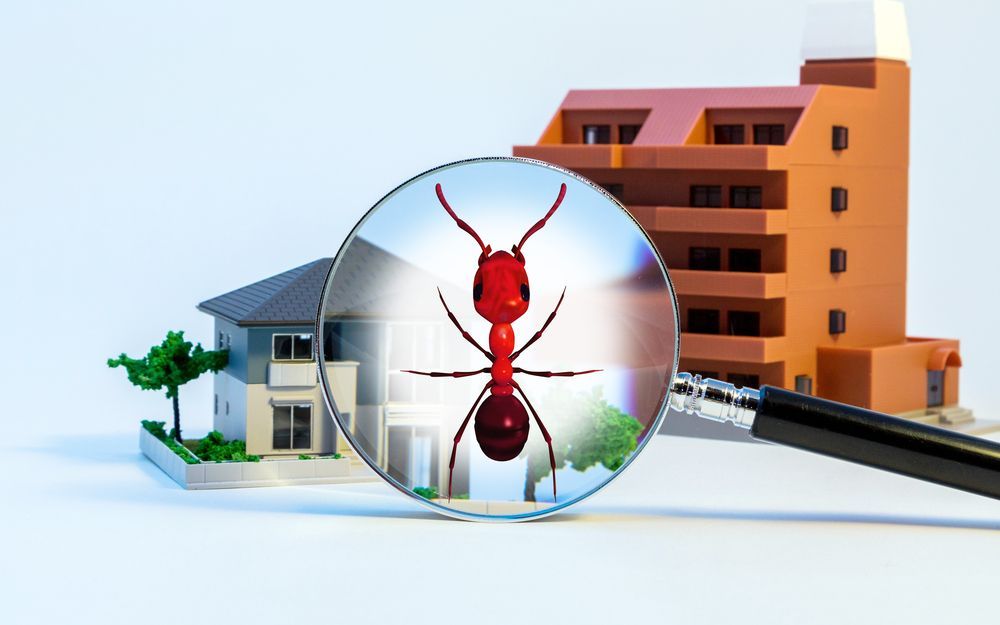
{"type": "Point", "coordinates": [744, 259]}
{"type": "Point", "coordinates": [745, 197]}
{"type": "Point", "coordinates": [840, 137]}
{"type": "Point", "coordinates": [292, 347]}
{"type": "Point", "coordinates": [838, 199]}
{"type": "Point", "coordinates": [838, 260]}
{"type": "Point", "coordinates": [705, 258]}
{"type": "Point", "coordinates": [804, 384]}
{"type": "Point", "coordinates": [744, 323]}
{"type": "Point", "coordinates": [744, 379]}
{"type": "Point", "coordinates": [229, 340]}
{"type": "Point", "coordinates": [769, 134]}
{"type": "Point", "coordinates": [616, 190]}
{"type": "Point", "coordinates": [593, 135]}
{"type": "Point", "coordinates": [706, 196]}
{"type": "Point", "coordinates": [220, 340]}
{"type": "Point", "coordinates": [627, 133]}
{"type": "Point", "coordinates": [227, 406]}
{"type": "Point", "coordinates": [703, 321]}
{"type": "Point", "coordinates": [413, 346]}
{"type": "Point", "coordinates": [729, 134]}
{"type": "Point", "coordinates": [292, 427]}
{"type": "Point", "coordinates": [215, 408]}
{"type": "Point", "coordinates": [838, 321]}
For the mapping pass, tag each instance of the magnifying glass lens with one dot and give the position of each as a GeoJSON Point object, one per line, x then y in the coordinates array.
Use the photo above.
{"type": "Point", "coordinates": [498, 338]}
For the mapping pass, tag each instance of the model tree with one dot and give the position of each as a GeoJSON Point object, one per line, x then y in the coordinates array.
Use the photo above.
{"type": "Point", "coordinates": [170, 365]}
{"type": "Point", "coordinates": [594, 432]}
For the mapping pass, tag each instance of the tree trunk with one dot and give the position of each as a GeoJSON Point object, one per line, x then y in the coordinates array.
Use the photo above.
{"type": "Point", "coordinates": [177, 419]}
{"type": "Point", "coordinates": [529, 484]}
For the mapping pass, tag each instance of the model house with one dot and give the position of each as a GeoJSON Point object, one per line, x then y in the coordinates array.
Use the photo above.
{"type": "Point", "coordinates": [781, 213]}
{"type": "Point", "coordinates": [269, 394]}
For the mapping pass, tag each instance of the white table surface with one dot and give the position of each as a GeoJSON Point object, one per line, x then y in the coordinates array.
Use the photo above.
{"type": "Point", "coordinates": [696, 531]}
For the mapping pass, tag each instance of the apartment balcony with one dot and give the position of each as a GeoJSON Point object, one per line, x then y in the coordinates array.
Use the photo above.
{"type": "Point", "coordinates": [613, 156]}
{"type": "Point", "coordinates": [282, 374]}
{"type": "Point", "coordinates": [719, 220]}
{"type": "Point", "coordinates": [756, 349]}
{"type": "Point", "coordinates": [729, 283]}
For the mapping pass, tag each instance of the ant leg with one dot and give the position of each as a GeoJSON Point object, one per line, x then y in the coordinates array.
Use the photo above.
{"type": "Point", "coordinates": [554, 374]}
{"type": "Point", "coordinates": [461, 430]}
{"type": "Point", "coordinates": [447, 374]}
{"type": "Point", "coordinates": [545, 435]}
{"type": "Point", "coordinates": [545, 325]}
{"type": "Point", "coordinates": [465, 335]}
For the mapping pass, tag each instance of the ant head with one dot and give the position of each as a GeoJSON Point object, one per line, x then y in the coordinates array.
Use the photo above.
{"type": "Point", "coordinates": [500, 289]}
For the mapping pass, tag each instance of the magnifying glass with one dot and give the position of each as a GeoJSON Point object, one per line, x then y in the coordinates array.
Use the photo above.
{"type": "Point", "coordinates": [500, 340]}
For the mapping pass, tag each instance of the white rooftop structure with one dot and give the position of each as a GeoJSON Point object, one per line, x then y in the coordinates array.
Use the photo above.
{"type": "Point", "coordinates": [856, 30]}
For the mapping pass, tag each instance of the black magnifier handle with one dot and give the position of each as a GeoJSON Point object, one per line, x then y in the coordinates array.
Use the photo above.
{"type": "Point", "coordinates": [833, 429]}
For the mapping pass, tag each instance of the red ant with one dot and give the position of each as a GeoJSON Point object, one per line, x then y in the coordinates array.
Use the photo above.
{"type": "Point", "coordinates": [501, 294]}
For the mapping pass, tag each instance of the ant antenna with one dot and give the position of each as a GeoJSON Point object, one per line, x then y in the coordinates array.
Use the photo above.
{"type": "Point", "coordinates": [541, 222]}
{"type": "Point", "coordinates": [461, 224]}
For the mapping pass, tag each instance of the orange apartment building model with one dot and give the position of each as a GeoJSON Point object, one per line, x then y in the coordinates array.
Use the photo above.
{"type": "Point", "coordinates": [781, 213]}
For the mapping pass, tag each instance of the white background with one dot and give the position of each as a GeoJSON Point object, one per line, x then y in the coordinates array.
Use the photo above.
{"type": "Point", "coordinates": [155, 155]}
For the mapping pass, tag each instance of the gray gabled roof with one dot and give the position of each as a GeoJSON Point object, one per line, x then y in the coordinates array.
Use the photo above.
{"type": "Point", "coordinates": [289, 298]}
{"type": "Point", "coordinates": [369, 283]}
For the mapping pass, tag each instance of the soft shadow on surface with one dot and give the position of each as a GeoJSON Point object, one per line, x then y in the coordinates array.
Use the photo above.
{"type": "Point", "coordinates": [639, 513]}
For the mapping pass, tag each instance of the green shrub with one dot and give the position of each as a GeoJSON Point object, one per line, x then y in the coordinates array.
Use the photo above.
{"type": "Point", "coordinates": [215, 448]}
{"type": "Point", "coordinates": [305, 457]}
{"type": "Point", "coordinates": [158, 429]}
{"type": "Point", "coordinates": [427, 492]}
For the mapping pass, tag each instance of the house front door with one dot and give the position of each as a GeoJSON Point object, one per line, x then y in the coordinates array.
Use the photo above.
{"type": "Point", "coordinates": [935, 388]}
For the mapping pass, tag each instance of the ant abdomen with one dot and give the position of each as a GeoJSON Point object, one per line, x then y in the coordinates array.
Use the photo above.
{"type": "Point", "coordinates": [501, 427]}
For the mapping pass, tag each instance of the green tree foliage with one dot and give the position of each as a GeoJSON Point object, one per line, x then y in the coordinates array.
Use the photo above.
{"type": "Point", "coordinates": [591, 432]}
{"type": "Point", "coordinates": [170, 365]}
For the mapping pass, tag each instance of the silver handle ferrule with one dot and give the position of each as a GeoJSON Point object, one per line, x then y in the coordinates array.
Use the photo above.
{"type": "Point", "coordinates": [715, 400]}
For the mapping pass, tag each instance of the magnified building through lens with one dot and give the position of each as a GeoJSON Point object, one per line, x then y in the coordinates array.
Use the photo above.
{"type": "Point", "coordinates": [781, 213]}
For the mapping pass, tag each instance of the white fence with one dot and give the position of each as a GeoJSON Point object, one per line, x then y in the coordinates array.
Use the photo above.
{"type": "Point", "coordinates": [206, 475]}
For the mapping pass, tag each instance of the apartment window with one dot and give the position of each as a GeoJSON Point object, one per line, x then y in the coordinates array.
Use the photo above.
{"type": "Point", "coordinates": [840, 137]}
{"type": "Point", "coordinates": [627, 133]}
{"type": "Point", "coordinates": [617, 190]}
{"type": "Point", "coordinates": [292, 427]}
{"type": "Point", "coordinates": [729, 134]}
{"type": "Point", "coordinates": [706, 196]}
{"type": "Point", "coordinates": [838, 260]}
{"type": "Point", "coordinates": [744, 259]}
{"type": "Point", "coordinates": [744, 323]}
{"type": "Point", "coordinates": [413, 346]}
{"type": "Point", "coordinates": [744, 197]}
{"type": "Point", "coordinates": [703, 321]}
{"type": "Point", "coordinates": [593, 135]}
{"type": "Point", "coordinates": [838, 321]}
{"type": "Point", "coordinates": [769, 134]}
{"type": "Point", "coordinates": [292, 347]}
{"type": "Point", "coordinates": [705, 258]}
{"type": "Point", "coordinates": [744, 379]}
{"type": "Point", "coordinates": [838, 199]}
{"type": "Point", "coordinates": [804, 384]}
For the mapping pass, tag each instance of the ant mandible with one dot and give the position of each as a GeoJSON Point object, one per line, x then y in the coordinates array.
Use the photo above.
{"type": "Point", "coordinates": [501, 294]}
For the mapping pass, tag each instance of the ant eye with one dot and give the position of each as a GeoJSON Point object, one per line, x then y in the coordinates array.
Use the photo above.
{"type": "Point", "coordinates": [477, 291]}
{"type": "Point", "coordinates": [525, 292]}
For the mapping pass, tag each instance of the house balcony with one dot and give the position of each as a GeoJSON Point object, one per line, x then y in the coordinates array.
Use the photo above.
{"type": "Point", "coordinates": [729, 283]}
{"type": "Point", "coordinates": [766, 221]}
{"type": "Point", "coordinates": [613, 156]}
{"type": "Point", "coordinates": [755, 349]}
{"type": "Point", "coordinates": [291, 374]}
